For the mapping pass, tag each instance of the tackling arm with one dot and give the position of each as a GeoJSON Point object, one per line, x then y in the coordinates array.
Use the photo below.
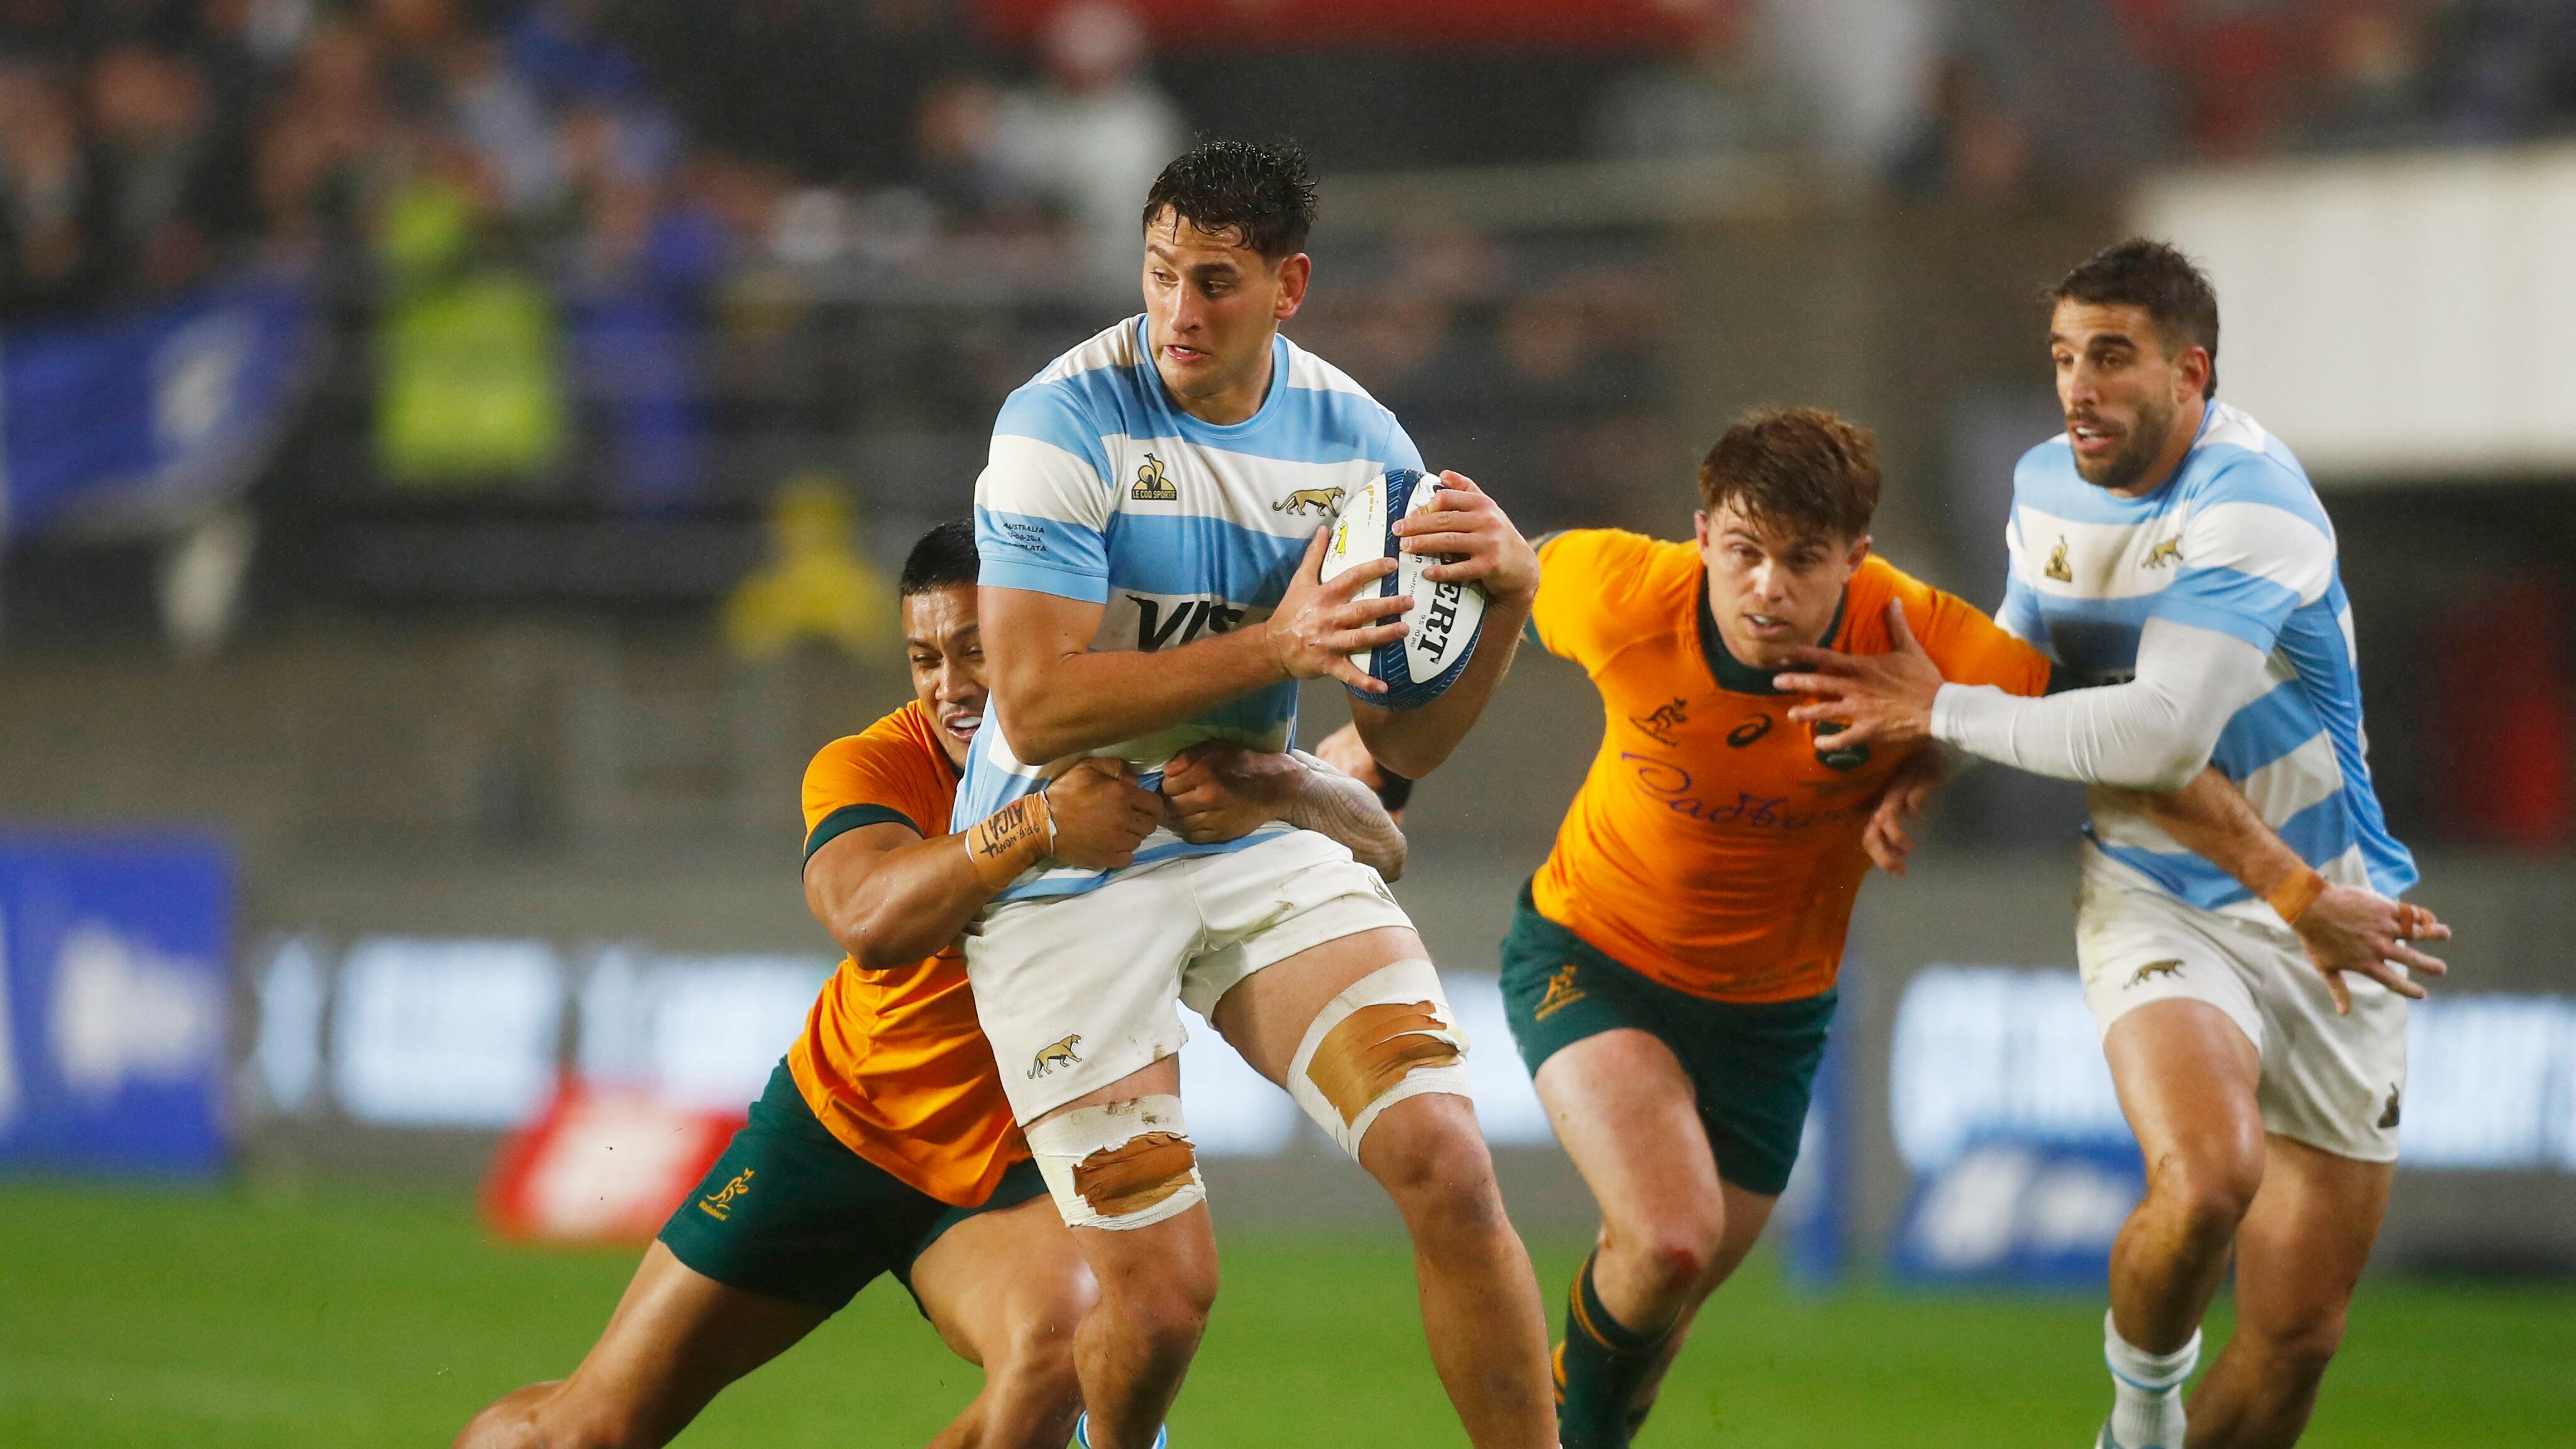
{"type": "Point", "coordinates": [1221, 791]}
{"type": "Point", "coordinates": [890, 897]}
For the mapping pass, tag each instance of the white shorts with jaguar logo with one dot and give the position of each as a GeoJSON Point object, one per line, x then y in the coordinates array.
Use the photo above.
{"type": "Point", "coordinates": [2334, 1082]}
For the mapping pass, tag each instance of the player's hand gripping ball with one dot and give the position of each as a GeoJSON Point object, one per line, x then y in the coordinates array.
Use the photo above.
{"type": "Point", "coordinates": [1445, 619]}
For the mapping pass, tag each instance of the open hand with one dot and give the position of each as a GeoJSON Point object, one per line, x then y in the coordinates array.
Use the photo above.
{"type": "Point", "coordinates": [1318, 625]}
{"type": "Point", "coordinates": [1880, 699]}
{"type": "Point", "coordinates": [1101, 814]}
{"type": "Point", "coordinates": [2347, 929]}
{"type": "Point", "coordinates": [1216, 791]}
{"type": "Point", "coordinates": [1463, 521]}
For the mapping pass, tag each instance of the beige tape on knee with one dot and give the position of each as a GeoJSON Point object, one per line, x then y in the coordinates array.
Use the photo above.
{"type": "Point", "coordinates": [1389, 1037]}
{"type": "Point", "coordinates": [1122, 1166]}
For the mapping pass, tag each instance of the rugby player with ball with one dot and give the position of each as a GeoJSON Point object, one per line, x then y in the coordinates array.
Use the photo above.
{"type": "Point", "coordinates": [1153, 522]}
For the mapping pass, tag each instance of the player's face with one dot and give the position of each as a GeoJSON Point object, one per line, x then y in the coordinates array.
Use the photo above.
{"type": "Point", "coordinates": [2124, 396]}
{"type": "Point", "coordinates": [946, 651]}
{"type": "Point", "coordinates": [1772, 590]}
{"type": "Point", "coordinates": [1211, 308]}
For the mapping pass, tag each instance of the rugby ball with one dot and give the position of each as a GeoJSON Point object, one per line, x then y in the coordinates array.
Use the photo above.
{"type": "Point", "coordinates": [1441, 628]}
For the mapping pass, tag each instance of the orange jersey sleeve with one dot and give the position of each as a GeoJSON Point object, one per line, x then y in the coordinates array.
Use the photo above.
{"type": "Point", "coordinates": [1969, 647]}
{"type": "Point", "coordinates": [894, 1063]}
{"type": "Point", "coordinates": [1590, 580]}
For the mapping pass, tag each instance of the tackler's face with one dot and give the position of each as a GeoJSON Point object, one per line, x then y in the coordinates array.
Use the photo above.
{"type": "Point", "coordinates": [945, 647]}
{"type": "Point", "coordinates": [1211, 307]}
{"type": "Point", "coordinates": [1773, 590]}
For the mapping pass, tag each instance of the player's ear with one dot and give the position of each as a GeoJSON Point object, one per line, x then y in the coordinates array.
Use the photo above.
{"type": "Point", "coordinates": [1859, 551]}
{"type": "Point", "coordinates": [1699, 527]}
{"type": "Point", "coordinates": [1294, 273]}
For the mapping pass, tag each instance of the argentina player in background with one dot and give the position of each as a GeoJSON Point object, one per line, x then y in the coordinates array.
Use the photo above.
{"type": "Point", "coordinates": [2169, 551]}
{"type": "Point", "coordinates": [1151, 523]}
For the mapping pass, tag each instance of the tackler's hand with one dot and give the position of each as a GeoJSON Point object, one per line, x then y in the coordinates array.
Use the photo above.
{"type": "Point", "coordinates": [1101, 814]}
{"type": "Point", "coordinates": [1216, 791]}
{"type": "Point", "coordinates": [1879, 699]}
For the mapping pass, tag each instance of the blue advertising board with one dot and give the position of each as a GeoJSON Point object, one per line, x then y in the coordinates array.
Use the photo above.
{"type": "Point", "coordinates": [132, 419]}
{"type": "Point", "coordinates": [113, 1002]}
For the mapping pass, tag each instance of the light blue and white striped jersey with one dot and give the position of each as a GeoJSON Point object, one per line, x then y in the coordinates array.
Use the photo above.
{"type": "Point", "coordinates": [1100, 488]}
{"type": "Point", "coordinates": [2235, 542]}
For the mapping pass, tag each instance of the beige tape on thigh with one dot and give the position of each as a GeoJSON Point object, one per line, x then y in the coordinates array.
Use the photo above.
{"type": "Point", "coordinates": [1389, 1037]}
{"type": "Point", "coordinates": [1121, 1166]}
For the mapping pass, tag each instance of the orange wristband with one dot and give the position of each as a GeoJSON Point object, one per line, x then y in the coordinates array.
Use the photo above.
{"type": "Point", "coordinates": [2296, 892]}
{"type": "Point", "coordinates": [1011, 839]}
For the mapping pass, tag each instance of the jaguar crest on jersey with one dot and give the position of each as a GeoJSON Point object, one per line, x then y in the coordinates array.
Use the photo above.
{"type": "Point", "coordinates": [1324, 501]}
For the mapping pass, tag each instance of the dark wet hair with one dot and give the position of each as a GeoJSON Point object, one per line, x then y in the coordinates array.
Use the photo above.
{"type": "Point", "coordinates": [1262, 192]}
{"type": "Point", "coordinates": [2174, 292]}
{"type": "Point", "coordinates": [944, 558]}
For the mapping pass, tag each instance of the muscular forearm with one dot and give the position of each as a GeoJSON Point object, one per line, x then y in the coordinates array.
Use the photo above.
{"type": "Point", "coordinates": [1331, 803]}
{"type": "Point", "coordinates": [1070, 702]}
{"type": "Point", "coordinates": [2153, 733]}
{"type": "Point", "coordinates": [910, 904]}
{"type": "Point", "coordinates": [2212, 819]}
{"type": "Point", "coordinates": [1413, 742]}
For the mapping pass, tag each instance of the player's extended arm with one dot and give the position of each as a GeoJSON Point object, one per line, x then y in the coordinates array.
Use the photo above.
{"type": "Point", "coordinates": [1461, 521]}
{"type": "Point", "coordinates": [2343, 929]}
{"type": "Point", "coordinates": [890, 897]}
{"type": "Point", "coordinates": [2153, 733]}
{"type": "Point", "coordinates": [1055, 696]}
{"type": "Point", "coordinates": [1220, 791]}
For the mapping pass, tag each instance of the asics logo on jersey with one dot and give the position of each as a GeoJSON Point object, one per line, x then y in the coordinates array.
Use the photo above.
{"type": "Point", "coordinates": [1561, 993]}
{"type": "Point", "coordinates": [2058, 568]}
{"type": "Point", "coordinates": [1749, 731]}
{"type": "Point", "coordinates": [1660, 725]}
{"type": "Point", "coordinates": [720, 1206]}
{"type": "Point", "coordinates": [2153, 968]}
{"type": "Point", "coordinates": [1186, 621]}
{"type": "Point", "coordinates": [2167, 552]}
{"type": "Point", "coordinates": [1056, 1054]}
{"type": "Point", "coordinates": [1324, 501]}
{"type": "Point", "coordinates": [1152, 485]}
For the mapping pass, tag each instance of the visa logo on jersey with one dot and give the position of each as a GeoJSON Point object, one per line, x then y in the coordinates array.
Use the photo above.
{"type": "Point", "coordinates": [1168, 623]}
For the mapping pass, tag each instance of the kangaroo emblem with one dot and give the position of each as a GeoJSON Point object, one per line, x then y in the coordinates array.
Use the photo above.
{"type": "Point", "coordinates": [1054, 1055]}
{"type": "Point", "coordinates": [2058, 568]}
{"type": "Point", "coordinates": [1561, 993]}
{"type": "Point", "coordinates": [1151, 483]}
{"type": "Point", "coordinates": [1320, 500]}
{"type": "Point", "coordinates": [720, 1206]}
{"type": "Point", "coordinates": [1660, 725]}
{"type": "Point", "coordinates": [2167, 552]}
{"type": "Point", "coordinates": [2153, 968]}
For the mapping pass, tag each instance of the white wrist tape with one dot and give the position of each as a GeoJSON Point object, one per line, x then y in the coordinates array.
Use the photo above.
{"type": "Point", "coordinates": [1389, 1037]}
{"type": "Point", "coordinates": [1121, 1166]}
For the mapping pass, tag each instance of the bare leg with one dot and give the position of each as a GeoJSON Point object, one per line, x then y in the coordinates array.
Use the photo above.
{"type": "Point", "coordinates": [2186, 1076]}
{"type": "Point", "coordinates": [1481, 1308]}
{"type": "Point", "coordinates": [676, 1339]}
{"type": "Point", "coordinates": [2298, 1255]}
{"type": "Point", "coordinates": [1007, 1290]}
{"type": "Point", "coordinates": [1671, 1228]}
{"type": "Point", "coordinates": [1156, 1285]}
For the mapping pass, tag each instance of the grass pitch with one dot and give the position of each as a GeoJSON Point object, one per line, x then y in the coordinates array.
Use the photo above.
{"type": "Point", "coordinates": [235, 1319]}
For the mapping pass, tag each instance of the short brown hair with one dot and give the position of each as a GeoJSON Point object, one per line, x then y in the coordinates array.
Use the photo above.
{"type": "Point", "coordinates": [2151, 275]}
{"type": "Point", "coordinates": [1803, 470]}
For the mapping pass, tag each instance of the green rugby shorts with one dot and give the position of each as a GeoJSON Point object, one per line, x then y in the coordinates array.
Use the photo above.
{"type": "Point", "coordinates": [1753, 1066]}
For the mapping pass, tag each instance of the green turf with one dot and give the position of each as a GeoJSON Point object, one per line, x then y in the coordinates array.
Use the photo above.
{"type": "Point", "coordinates": [133, 1318]}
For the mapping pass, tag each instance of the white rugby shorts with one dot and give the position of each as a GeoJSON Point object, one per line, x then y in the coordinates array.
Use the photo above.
{"type": "Point", "coordinates": [1076, 992]}
{"type": "Point", "coordinates": [2333, 1082]}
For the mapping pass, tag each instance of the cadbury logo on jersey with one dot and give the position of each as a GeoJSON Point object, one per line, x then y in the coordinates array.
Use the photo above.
{"type": "Point", "coordinates": [1162, 624]}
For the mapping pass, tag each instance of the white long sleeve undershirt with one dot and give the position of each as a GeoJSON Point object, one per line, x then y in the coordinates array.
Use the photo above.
{"type": "Point", "coordinates": [2153, 733]}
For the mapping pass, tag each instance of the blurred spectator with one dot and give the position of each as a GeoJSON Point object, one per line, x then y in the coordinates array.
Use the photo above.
{"type": "Point", "coordinates": [174, 187]}
{"type": "Point", "coordinates": [1095, 134]}
{"type": "Point", "coordinates": [1719, 98]}
{"type": "Point", "coordinates": [52, 202]}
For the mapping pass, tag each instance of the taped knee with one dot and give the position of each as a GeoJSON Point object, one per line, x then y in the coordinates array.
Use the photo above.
{"type": "Point", "coordinates": [1121, 1166]}
{"type": "Point", "coordinates": [1389, 1037]}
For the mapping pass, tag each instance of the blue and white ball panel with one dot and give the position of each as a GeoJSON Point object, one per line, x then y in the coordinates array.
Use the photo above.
{"type": "Point", "coordinates": [2237, 544]}
{"type": "Point", "coordinates": [1446, 618]}
{"type": "Point", "coordinates": [1099, 489]}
